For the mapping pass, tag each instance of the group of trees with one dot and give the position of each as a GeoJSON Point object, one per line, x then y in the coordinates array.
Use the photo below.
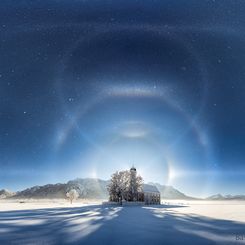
{"type": "Point", "coordinates": [125, 185]}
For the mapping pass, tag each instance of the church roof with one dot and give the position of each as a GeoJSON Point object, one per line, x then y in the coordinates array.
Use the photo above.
{"type": "Point", "coordinates": [150, 188]}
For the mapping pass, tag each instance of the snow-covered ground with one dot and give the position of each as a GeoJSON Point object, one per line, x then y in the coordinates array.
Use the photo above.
{"type": "Point", "coordinates": [174, 222]}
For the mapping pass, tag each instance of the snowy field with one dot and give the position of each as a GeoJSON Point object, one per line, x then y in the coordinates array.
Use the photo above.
{"type": "Point", "coordinates": [174, 222]}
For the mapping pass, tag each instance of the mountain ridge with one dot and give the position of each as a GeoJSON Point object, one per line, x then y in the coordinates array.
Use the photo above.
{"type": "Point", "coordinates": [94, 188]}
{"type": "Point", "coordinates": [226, 197]}
{"type": "Point", "coordinates": [4, 193]}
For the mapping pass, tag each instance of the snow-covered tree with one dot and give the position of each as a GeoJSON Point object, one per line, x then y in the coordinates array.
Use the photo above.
{"type": "Point", "coordinates": [124, 185]}
{"type": "Point", "coordinates": [72, 195]}
{"type": "Point", "coordinates": [118, 186]}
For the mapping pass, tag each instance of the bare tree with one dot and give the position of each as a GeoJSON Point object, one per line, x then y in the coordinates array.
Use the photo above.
{"type": "Point", "coordinates": [72, 195]}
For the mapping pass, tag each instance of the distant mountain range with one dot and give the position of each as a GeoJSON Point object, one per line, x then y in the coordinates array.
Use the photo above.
{"type": "Point", "coordinates": [226, 197]}
{"type": "Point", "coordinates": [87, 188]}
{"type": "Point", "coordinates": [6, 193]}
{"type": "Point", "coordinates": [91, 188]}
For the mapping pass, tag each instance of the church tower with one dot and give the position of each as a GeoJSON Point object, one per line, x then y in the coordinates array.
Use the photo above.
{"type": "Point", "coordinates": [133, 170]}
{"type": "Point", "coordinates": [133, 185]}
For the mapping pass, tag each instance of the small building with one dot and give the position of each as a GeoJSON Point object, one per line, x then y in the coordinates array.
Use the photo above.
{"type": "Point", "coordinates": [151, 194]}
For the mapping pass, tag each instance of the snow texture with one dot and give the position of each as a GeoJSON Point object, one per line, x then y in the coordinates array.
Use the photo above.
{"type": "Point", "coordinates": [98, 224]}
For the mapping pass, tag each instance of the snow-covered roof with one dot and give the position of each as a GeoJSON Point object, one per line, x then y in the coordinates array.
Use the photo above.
{"type": "Point", "coordinates": [150, 188]}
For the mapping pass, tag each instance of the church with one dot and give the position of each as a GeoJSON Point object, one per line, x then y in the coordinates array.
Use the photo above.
{"type": "Point", "coordinates": [150, 194]}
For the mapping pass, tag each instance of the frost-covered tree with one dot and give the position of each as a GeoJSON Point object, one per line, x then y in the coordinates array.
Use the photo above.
{"type": "Point", "coordinates": [118, 186]}
{"type": "Point", "coordinates": [125, 185]}
{"type": "Point", "coordinates": [72, 195]}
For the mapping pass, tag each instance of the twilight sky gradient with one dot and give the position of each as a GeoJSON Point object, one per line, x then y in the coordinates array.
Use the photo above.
{"type": "Point", "coordinates": [90, 87]}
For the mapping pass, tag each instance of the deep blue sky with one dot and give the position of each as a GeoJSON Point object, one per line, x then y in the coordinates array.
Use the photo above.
{"type": "Point", "coordinates": [89, 87]}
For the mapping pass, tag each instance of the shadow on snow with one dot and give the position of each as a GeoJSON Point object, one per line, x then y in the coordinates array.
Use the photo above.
{"type": "Point", "coordinates": [97, 224]}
